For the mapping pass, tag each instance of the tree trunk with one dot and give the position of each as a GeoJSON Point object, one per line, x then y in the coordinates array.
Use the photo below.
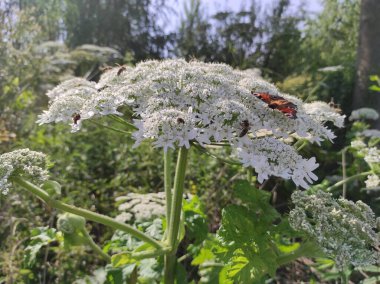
{"type": "Point", "coordinates": [368, 57]}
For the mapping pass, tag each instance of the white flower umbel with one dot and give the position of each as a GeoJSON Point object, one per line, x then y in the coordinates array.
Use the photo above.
{"type": "Point", "coordinates": [176, 103]}
{"type": "Point", "coordinates": [372, 133]}
{"type": "Point", "coordinates": [346, 231]}
{"type": "Point", "coordinates": [372, 155]}
{"type": "Point", "coordinates": [364, 113]}
{"type": "Point", "coordinates": [322, 112]}
{"type": "Point", "coordinates": [372, 181]}
{"type": "Point", "coordinates": [358, 144]}
{"type": "Point", "coordinates": [24, 163]}
{"type": "Point", "coordinates": [141, 207]}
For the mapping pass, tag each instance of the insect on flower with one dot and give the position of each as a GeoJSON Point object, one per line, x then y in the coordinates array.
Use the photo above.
{"type": "Point", "coordinates": [105, 68]}
{"type": "Point", "coordinates": [335, 106]}
{"type": "Point", "coordinates": [121, 70]}
{"type": "Point", "coordinates": [76, 118]}
{"type": "Point", "coordinates": [276, 102]}
{"type": "Point", "coordinates": [180, 120]}
{"type": "Point", "coordinates": [245, 127]}
{"type": "Point", "coordinates": [102, 88]}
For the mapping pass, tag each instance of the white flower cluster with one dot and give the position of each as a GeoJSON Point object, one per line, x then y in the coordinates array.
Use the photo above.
{"type": "Point", "coordinates": [178, 102]}
{"type": "Point", "coordinates": [364, 113]}
{"type": "Point", "coordinates": [372, 133]}
{"type": "Point", "coordinates": [371, 154]}
{"type": "Point", "coordinates": [346, 231]}
{"type": "Point", "coordinates": [25, 163]}
{"type": "Point", "coordinates": [141, 207]}
{"type": "Point", "coordinates": [372, 181]}
{"type": "Point", "coordinates": [322, 112]}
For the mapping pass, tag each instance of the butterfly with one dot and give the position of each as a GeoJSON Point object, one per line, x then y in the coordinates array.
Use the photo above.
{"type": "Point", "coordinates": [276, 102]}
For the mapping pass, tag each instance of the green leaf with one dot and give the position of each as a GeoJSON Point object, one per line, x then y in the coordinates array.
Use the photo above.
{"type": "Point", "coordinates": [372, 268]}
{"type": "Point", "coordinates": [122, 259]}
{"type": "Point", "coordinates": [248, 232]}
{"type": "Point", "coordinates": [374, 78]}
{"type": "Point", "coordinates": [256, 199]}
{"type": "Point", "coordinates": [195, 220]}
{"type": "Point", "coordinates": [374, 88]}
{"type": "Point", "coordinates": [372, 280]}
{"type": "Point", "coordinates": [41, 236]}
{"type": "Point", "coordinates": [204, 256]}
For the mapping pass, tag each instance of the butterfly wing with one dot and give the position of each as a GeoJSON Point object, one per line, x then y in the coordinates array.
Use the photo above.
{"type": "Point", "coordinates": [276, 102]}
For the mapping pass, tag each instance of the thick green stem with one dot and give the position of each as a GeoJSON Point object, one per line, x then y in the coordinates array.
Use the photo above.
{"type": "Point", "coordinates": [344, 173]}
{"type": "Point", "coordinates": [94, 246]}
{"type": "Point", "coordinates": [176, 207]}
{"type": "Point", "coordinates": [339, 183]}
{"type": "Point", "coordinates": [89, 215]}
{"type": "Point", "coordinates": [144, 254]}
{"type": "Point", "coordinates": [249, 175]}
{"type": "Point", "coordinates": [168, 185]}
{"type": "Point", "coordinates": [175, 216]}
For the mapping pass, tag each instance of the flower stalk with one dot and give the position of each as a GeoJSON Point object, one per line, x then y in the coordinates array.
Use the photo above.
{"type": "Point", "coordinates": [344, 181]}
{"type": "Point", "coordinates": [94, 246]}
{"type": "Point", "coordinates": [168, 184]}
{"type": "Point", "coordinates": [175, 216]}
{"type": "Point", "coordinates": [89, 215]}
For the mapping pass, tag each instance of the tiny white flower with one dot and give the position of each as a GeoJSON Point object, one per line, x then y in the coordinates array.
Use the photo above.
{"type": "Point", "coordinates": [372, 181]}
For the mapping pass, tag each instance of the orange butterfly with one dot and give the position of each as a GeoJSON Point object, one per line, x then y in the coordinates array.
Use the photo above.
{"type": "Point", "coordinates": [276, 102]}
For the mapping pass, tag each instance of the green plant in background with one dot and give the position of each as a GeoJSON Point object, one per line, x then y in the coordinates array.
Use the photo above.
{"type": "Point", "coordinates": [180, 106]}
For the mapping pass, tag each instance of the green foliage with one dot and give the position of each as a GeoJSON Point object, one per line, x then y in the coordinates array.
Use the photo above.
{"type": "Point", "coordinates": [247, 232]}
{"type": "Point", "coordinates": [40, 237]}
{"type": "Point", "coordinates": [128, 26]}
{"type": "Point", "coordinates": [376, 86]}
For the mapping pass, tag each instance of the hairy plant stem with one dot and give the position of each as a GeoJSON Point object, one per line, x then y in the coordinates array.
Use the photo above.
{"type": "Point", "coordinates": [175, 216]}
{"type": "Point", "coordinates": [339, 183]}
{"type": "Point", "coordinates": [249, 175]}
{"type": "Point", "coordinates": [168, 185]}
{"type": "Point", "coordinates": [344, 173]}
{"type": "Point", "coordinates": [94, 246]}
{"type": "Point", "coordinates": [89, 215]}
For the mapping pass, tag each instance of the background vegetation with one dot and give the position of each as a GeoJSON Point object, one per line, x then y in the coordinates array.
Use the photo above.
{"type": "Point", "coordinates": [45, 42]}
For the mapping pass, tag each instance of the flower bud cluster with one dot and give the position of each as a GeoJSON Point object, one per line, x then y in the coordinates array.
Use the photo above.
{"type": "Point", "coordinates": [25, 163]}
{"type": "Point", "coordinates": [177, 103]}
{"type": "Point", "coordinates": [346, 231]}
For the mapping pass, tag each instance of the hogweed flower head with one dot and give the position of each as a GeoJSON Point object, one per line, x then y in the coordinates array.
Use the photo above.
{"type": "Point", "coordinates": [364, 113]}
{"type": "Point", "coordinates": [25, 163]}
{"type": "Point", "coordinates": [346, 231]}
{"type": "Point", "coordinates": [372, 133]}
{"type": "Point", "coordinates": [177, 103]}
{"type": "Point", "coordinates": [141, 207]}
{"type": "Point", "coordinates": [322, 112]}
{"type": "Point", "coordinates": [372, 181]}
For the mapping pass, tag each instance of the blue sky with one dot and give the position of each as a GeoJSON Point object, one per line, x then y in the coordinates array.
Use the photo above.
{"type": "Point", "coordinates": [213, 6]}
{"type": "Point", "coordinates": [312, 6]}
